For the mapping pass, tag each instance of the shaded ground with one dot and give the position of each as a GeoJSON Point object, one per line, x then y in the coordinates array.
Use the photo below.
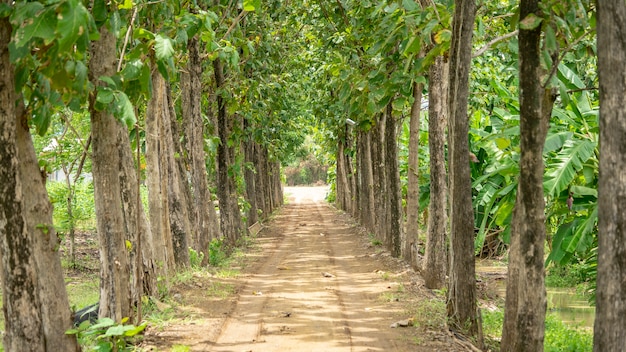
{"type": "Point", "coordinates": [313, 281]}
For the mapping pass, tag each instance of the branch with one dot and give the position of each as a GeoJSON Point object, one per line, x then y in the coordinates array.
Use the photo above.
{"type": "Point", "coordinates": [555, 65]}
{"type": "Point", "coordinates": [126, 39]}
{"type": "Point", "coordinates": [235, 22]}
{"type": "Point", "coordinates": [343, 14]}
{"type": "Point", "coordinates": [494, 42]}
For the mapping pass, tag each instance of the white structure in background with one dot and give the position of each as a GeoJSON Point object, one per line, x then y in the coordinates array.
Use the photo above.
{"type": "Point", "coordinates": [59, 175]}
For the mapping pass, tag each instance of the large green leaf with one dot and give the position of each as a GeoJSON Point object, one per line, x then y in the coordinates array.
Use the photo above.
{"type": "Point", "coordinates": [73, 22]}
{"type": "Point", "coordinates": [561, 172]}
{"type": "Point", "coordinates": [163, 47]}
{"type": "Point", "coordinates": [555, 141]}
{"type": "Point", "coordinates": [38, 22]}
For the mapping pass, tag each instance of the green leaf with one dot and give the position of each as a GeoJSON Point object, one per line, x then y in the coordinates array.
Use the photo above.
{"type": "Point", "coordinates": [503, 143]}
{"type": "Point", "coordinates": [550, 39]}
{"type": "Point", "coordinates": [73, 22]}
{"type": "Point", "coordinates": [530, 22]}
{"type": "Point", "coordinates": [580, 191]}
{"type": "Point", "coordinates": [163, 47]}
{"type": "Point", "coordinates": [410, 5]}
{"type": "Point", "coordinates": [251, 5]}
{"type": "Point", "coordinates": [126, 5]}
{"type": "Point", "coordinates": [555, 141]}
{"type": "Point", "coordinates": [103, 323]}
{"type": "Point", "coordinates": [443, 36]}
{"type": "Point", "coordinates": [561, 172]}
{"type": "Point", "coordinates": [136, 330]}
{"type": "Point", "coordinates": [5, 10]}
{"type": "Point", "coordinates": [581, 235]}
{"type": "Point", "coordinates": [125, 110]}
{"type": "Point", "coordinates": [105, 95]}
{"type": "Point", "coordinates": [413, 46]}
{"type": "Point", "coordinates": [109, 81]}
{"type": "Point", "coordinates": [41, 24]}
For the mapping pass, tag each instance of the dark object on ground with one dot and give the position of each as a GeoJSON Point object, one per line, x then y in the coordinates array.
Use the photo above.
{"type": "Point", "coordinates": [88, 313]}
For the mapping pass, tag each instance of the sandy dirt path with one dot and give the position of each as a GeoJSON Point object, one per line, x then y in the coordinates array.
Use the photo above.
{"type": "Point", "coordinates": [317, 285]}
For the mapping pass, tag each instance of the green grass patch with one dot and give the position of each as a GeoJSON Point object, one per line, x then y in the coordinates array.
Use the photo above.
{"type": "Point", "coordinates": [83, 291]}
{"type": "Point", "coordinates": [559, 336]}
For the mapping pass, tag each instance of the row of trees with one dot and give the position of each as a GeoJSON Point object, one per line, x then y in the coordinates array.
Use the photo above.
{"type": "Point", "coordinates": [176, 95]}
{"type": "Point", "coordinates": [527, 73]}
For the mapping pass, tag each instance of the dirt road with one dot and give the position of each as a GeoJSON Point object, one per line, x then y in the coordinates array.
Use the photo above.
{"type": "Point", "coordinates": [314, 285]}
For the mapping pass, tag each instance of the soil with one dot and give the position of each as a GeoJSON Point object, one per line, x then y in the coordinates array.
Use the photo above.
{"type": "Point", "coordinates": [311, 281]}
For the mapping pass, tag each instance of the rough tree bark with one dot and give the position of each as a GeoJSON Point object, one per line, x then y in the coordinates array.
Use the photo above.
{"type": "Point", "coordinates": [206, 218]}
{"type": "Point", "coordinates": [178, 198]}
{"type": "Point", "coordinates": [143, 268]}
{"type": "Point", "coordinates": [393, 191]}
{"type": "Point", "coordinates": [611, 292]}
{"type": "Point", "coordinates": [250, 183]}
{"type": "Point", "coordinates": [366, 187]}
{"type": "Point", "coordinates": [21, 301]}
{"type": "Point", "coordinates": [435, 259]}
{"type": "Point", "coordinates": [115, 276]}
{"type": "Point", "coordinates": [462, 310]}
{"type": "Point", "coordinates": [525, 309]}
{"type": "Point", "coordinates": [230, 216]}
{"type": "Point", "coordinates": [156, 178]}
{"type": "Point", "coordinates": [379, 176]}
{"type": "Point", "coordinates": [413, 187]}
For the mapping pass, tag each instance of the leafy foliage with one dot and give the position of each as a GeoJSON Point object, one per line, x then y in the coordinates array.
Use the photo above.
{"type": "Point", "coordinates": [107, 335]}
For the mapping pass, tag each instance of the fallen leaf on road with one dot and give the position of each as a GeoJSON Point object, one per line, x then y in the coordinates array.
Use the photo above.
{"type": "Point", "coordinates": [325, 274]}
{"type": "Point", "coordinates": [282, 267]}
{"type": "Point", "coordinates": [257, 293]}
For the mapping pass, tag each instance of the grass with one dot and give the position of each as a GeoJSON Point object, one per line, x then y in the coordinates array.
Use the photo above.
{"type": "Point", "coordinates": [220, 289]}
{"type": "Point", "coordinates": [559, 336]}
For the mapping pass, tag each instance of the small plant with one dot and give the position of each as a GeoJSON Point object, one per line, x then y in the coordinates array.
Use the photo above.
{"type": "Point", "coordinates": [373, 240]}
{"type": "Point", "coordinates": [106, 335]}
{"type": "Point", "coordinates": [217, 255]}
{"type": "Point", "coordinates": [195, 258]}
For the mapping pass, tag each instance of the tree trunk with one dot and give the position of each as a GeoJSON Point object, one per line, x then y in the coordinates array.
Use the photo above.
{"type": "Point", "coordinates": [378, 172]}
{"type": "Point", "coordinates": [462, 310]}
{"type": "Point", "coordinates": [343, 188]}
{"type": "Point", "coordinates": [393, 191]}
{"type": "Point", "coordinates": [206, 227]}
{"type": "Point", "coordinates": [413, 188]}
{"type": "Point", "coordinates": [250, 183]}
{"type": "Point", "coordinates": [115, 276]}
{"type": "Point", "coordinates": [525, 308]}
{"type": "Point", "coordinates": [179, 198]}
{"type": "Point", "coordinates": [611, 292]}
{"type": "Point", "coordinates": [24, 329]}
{"type": "Point", "coordinates": [436, 256]}
{"type": "Point", "coordinates": [366, 181]}
{"type": "Point", "coordinates": [156, 178]}
{"type": "Point", "coordinates": [136, 225]}
{"type": "Point", "coordinates": [229, 208]}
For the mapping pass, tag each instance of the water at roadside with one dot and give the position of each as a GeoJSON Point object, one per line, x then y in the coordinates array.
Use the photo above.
{"type": "Point", "coordinates": [571, 307]}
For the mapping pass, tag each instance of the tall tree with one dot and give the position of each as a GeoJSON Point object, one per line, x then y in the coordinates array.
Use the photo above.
{"type": "Point", "coordinates": [462, 310]}
{"type": "Point", "coordinates": [206, 226]}
{"type": "Point", "coordinates": [230, 215]}
{"type": "Point", "coordinates": [525, 309]}
{"type": "Point", "coordinates": [394, 205]}
{"type": "Point", "coordinates": [435, 258]}
{"type": "Point", "coordinates": [611, 292]}
{"type": "Point", "coordinates": [413, 188]}
{"type": "Point", "coordinates": [23, 322]}
{"type": "Point", "coordinates": [115, 276]}
{"type": "Point", "coordinates": [157, 178]}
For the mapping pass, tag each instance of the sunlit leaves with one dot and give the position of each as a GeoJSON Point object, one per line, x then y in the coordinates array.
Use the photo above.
{"type": "Point", "coordinates": [251, 5]}
{"type": "Point", "coordinates": [34, 21]}
{"type": "Point", "coordinates": [163, 47]}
